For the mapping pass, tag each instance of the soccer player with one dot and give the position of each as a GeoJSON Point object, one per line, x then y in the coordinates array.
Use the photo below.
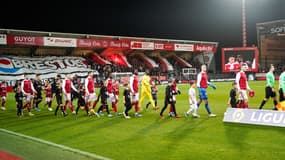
{"type": "Point", "coordinates": [3, 95]}
{"type": "Point", "coordinates": [233, 93]}
{"type": "Point", "coordinates": [67, 87]}
{"type": "Point", "coordinates": [127, 101]}
{"type": "Point", "coordinates": [19, 101]}
{"type": "Point", "coordinates": [81, 100]}
{"type": "Point", "coordinates": [58, 95]}
{"type": "Point", "coordinates": [146, 91]}
{"type": "Point", "coordinates": [168, 100]}
{"type": "Point", "coordinates": [48, 95]}
{"type": "Point", "coordinates": [104, 97]}
{"type": "Point", "coordinates": [154, 92]}
{"type": "Point", "coordinates": [90, 95]}
{"type": "Point", "coordinates": [242, 86]}
{"type": "Point", "coordinates": [282, 86]}
{"type": "Point", "coordinates": [202, 84]}
{"type": "Point", "coordinates": [28, 89]}
{"type": "Point", "coordinates": [134, 88]}
{"type": "Point", "coordinates": [192, 101]}
{"type": "Point", "coordinates": [175, 91]}
{"type": "Point", "coordinates": [111, 96]}
{"type": "Point", "coordinates": [116, 90]}
{"type": "Point", "coordinates": [38, 96]}
{"type": "Point", "coordinates": [269, 89]}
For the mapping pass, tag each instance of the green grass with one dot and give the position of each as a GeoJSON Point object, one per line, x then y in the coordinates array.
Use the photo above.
{"type": "Point", "coordinates": [149, 137]}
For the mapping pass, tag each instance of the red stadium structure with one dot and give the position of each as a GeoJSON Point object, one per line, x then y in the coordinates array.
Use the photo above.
{"type": "Point", "coordinates": [50, 53]}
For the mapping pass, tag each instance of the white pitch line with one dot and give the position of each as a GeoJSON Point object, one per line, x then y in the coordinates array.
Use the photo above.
{"type": "Point", "coordinates": [91, 155]}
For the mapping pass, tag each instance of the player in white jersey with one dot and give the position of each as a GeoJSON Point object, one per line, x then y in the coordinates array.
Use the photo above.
{"type": "Point", "coordinates": [192, 101]}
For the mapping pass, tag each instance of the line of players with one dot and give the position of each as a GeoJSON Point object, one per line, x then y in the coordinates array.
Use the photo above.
{"type": "Point", "coordinates": [109, 92]}
{"type": "Point", "coordinates": [31, 92]}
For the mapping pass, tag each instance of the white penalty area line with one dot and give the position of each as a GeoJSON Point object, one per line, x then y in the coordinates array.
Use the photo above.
{"type": "Point", "coordinates": [87, 154]}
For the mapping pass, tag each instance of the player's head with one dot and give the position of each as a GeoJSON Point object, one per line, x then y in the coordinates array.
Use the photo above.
{"type": "Point", "coordinates": [135, 72]}
{"type": "Point", "coordinates": [203, 68]}
{"type": "Point", "coordinates": [126, 85]}
{"type": "Point", "coordinates": [272, 68]}
{"type": "Point", "coordinates": [90, 73]}
{"type": "Point", "coordinates": [147, 71]}
{"type": "Point", "coordinates": [192, 84]}
{"type": "Point", "coordinates": [58, 76]}
{"type": "Point", "coordinates": [26, 76]}
{"type": "Point", "coordinates": [37, 77]}
{"type": "Point", "coordinates": [170, 81]}
{"type": "Point", "coordinates": [68, 76]}
{"type": "Point", "coordinates": [243, 67]}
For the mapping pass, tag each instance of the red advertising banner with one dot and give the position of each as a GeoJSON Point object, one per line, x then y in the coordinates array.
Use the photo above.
{"type": "Point", "coordinates": [3, 39]}
{"type": "Point", "coordinates": [98, 43]}
{"type": "Point", "coordinates": [204, 48]}
{"type": "Point", "coordinates": [25, 40]}
{"type": "Point", "coordinates": [164, 46]}
{"type": "Point", "coordinates": [142, 45]}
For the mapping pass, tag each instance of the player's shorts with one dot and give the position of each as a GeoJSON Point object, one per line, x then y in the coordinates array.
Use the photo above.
{"type": "Point", "coordinates": [111, 98]}
{"type": "Point", "coordinates": [48, 99]}
{"type": "Point", "coordinates": [29, 97]}
{"type": "Point", "coordinates": [242, 95]}
{"type": "Point", "coordinates": [67, 96]}
{"type": "Point", "coordinates": [269, 93]}
{"type": "Point", "coordinates": [135, 97]}
{"type": "Point", "coordinates": [3, 98]}
{"type": "Point", "coordinates": [91, 97]}
{"type": "Point", "coordinates": [203, 93]}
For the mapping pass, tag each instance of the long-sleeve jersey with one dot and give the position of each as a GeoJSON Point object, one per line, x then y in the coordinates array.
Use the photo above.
{"type": "Point", "coordinates": [67, 85]}
{"type": "Point", "coordinates": [19, 96]}
{"type": "Point", "coordinates": [282, 81]}
{"type": "Point", "coordinates": [202, 80]}
{"type": "Point", "coordinates": [270, 79]}
{"type": "Point", "coordinates": [192, 96]}
{"type": "Point", "coordinates": [241, 81]}
{"type": "Point", "coordinates": [89, 85]}
{"type": "Point", "coordinates": [168, 93]}
{"type": "Point", "coordinates": [38, 86]}
{"type": "Point", "coordinates": [146, 83]}
{"type": "Point", "coordinates": [134, 84]}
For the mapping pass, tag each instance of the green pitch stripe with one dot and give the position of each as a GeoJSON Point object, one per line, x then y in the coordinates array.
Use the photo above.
{"type": "Point", "coordinates": [92, 155]}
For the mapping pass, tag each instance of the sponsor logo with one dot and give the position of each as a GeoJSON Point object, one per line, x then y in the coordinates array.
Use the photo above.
{"type": "Point", "coordinates": [277, 30]}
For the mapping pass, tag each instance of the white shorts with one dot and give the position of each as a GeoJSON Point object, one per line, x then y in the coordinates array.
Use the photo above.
{"type": "Point", "coordinates": [48, 99]}
{"type": "Point", "coordinates": [242, 95]}
{"type": "Point", "coordinates": [4, 98]}
{"type": "Point", "coordinates": [111, 97]}
{"type": "Point", "coordinates": [67, 97]}
{"type": "Point", "coordinates": [29, 97]}
{"type": "Point", "coordinates": [91, 97]}
{"type": "Point", "coordinates": [135, 97]}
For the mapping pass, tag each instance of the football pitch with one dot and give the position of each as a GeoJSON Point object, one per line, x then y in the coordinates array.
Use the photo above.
{"type": "Point", "coordinates": [147, 137]}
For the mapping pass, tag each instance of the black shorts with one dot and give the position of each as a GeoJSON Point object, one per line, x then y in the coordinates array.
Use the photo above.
{"type": "Point", "coordinates": [281, 97]}
{"type": "Point", "coordinates": [233, 103]}
{"type": "Point", "coordinates": [58, 99]}
{"type": "Point", "coordinates": [269, 93]}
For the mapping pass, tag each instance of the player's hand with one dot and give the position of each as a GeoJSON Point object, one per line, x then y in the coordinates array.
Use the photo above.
{"type": "Point", "coordinates": [213, 86]}
{"type": "Point", "coordinates": [178, 91]}
{"type": "Point", "coordinates": [273, 90]}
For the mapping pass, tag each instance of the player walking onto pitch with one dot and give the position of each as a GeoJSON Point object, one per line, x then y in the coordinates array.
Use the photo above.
{"type": "Point", "coordinates": [90, 95]}
{"type": "Point", "coordinates": [134, 89]}
{"type": "Point", "coordinates": [202, 84]}
{"type": "Point", "coordinates": [3, 94]}
{"type": "Point", "coordinates": [282, 86]}
{"type": "Point", "coordinates": [146, 91]}
{"type": "Point", "coordinates": [168, 100]}
{"type": "Point", "coordinates": [269, 89]}
{"type": "Point", "coordinates": [28, 89]}
{"type": "Point", "coordinates": [67, 87]}
{"type": "Point", "coordinates": [127, 101]}
{"type": "Point", "coordinates": [242, 86]}
{"type": "Point", "coordinates": [192, 101]}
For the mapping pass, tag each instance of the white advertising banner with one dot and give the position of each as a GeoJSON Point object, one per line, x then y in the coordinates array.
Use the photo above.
{"type": "Point", "coordinates": [14, 67]}
{"type": "Point", "coordinates": [59, 42]}
{"type": "Point", "coordinates": [3, 39]}
{"type": "Point", "coordinates": [255, 116]}
{"type": "Point", "coordinates": [183, 47]}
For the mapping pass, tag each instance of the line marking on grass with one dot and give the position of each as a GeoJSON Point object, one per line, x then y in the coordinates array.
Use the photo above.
{"type": "Point", "coordinates": [88, 154]}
